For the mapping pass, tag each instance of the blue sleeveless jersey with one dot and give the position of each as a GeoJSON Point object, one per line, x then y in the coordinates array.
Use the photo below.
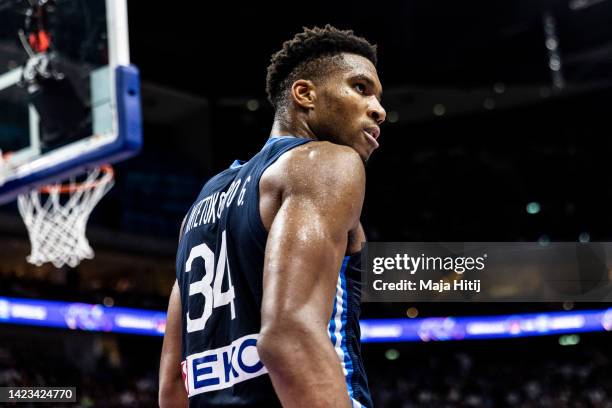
{"type": "Point", "coordinates": [219, 268]}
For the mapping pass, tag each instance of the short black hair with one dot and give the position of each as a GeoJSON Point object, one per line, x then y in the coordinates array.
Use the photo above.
{"type": "Point", "coordinates": [309, 55]}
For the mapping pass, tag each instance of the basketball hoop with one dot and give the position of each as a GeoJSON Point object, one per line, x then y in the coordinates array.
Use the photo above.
{"type": "Point", "coordinates": [57, 226]}
{"type": "Point", "coordinates": [3, 166]}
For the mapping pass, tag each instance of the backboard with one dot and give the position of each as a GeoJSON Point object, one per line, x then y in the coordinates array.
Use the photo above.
{"type": "Point", "coordinates": [69, 98]}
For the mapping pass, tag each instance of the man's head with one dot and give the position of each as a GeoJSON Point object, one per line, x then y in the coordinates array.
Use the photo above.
{"type": "Point", "coordinates": [326, 79]}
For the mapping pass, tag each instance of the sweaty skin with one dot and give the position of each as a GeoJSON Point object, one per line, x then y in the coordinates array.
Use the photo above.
{"type": "Point", "coordinates": [313, 212]}
{"type": "Point", "coordinates": [172, 393]}
{"type": "Point", "coordinates": [310, 204]}
{"type": "Point", "coordinates": [339, 110]}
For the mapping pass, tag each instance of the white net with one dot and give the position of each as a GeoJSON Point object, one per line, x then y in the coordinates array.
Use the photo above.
{"type": "Point", "coordinates": [57, 227]}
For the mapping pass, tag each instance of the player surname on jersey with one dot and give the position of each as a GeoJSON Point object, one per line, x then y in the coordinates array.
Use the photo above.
{"type": "Point", "coordinates": [209, 209]}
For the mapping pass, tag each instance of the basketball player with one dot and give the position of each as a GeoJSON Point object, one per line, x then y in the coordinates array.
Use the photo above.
{"type": "Point", "coordinates": [265, 308]}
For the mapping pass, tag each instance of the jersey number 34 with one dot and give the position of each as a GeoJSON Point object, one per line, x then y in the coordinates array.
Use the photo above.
{"type": "Point", "coordinates": [213, 297]}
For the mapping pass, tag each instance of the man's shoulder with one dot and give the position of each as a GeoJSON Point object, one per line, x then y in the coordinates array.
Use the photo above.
{"type": "Point", "coordinates": [320, 162]}
{"type": "Point", "coordinates": [320, 151]}
{"type": "Point", "coordinates": [329, 175]}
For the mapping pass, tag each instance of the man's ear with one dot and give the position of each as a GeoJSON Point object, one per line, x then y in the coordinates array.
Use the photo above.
{"type": "Point", "coordinates": [303, 93]}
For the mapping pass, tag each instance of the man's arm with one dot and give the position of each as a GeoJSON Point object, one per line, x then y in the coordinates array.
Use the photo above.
{"type": "Point", "coordinates": [172, 391]}
{"type": "Point", "coordinates": [322, 194]}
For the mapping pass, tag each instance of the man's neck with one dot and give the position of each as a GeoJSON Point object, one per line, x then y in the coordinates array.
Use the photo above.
{"type": "Point", "coordinates": [296, 128]}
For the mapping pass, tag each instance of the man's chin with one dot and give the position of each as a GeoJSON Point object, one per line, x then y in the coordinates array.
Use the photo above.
{"type": "Point", "coordinates": [363, 151]}
{"type": "Point", "coordinates": [365, 156]}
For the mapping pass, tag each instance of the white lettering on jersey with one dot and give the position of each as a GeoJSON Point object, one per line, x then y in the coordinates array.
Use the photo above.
{"type": "Point", "coordinates": [243, 191]}
{"type": "Point", "coordinates": [221, 204]}
{"type": "Point", "coordinates": [231, 193]}
{"type": "Point", "coordinates": [209, 209]}
{"type": "Point", "coordinates": [223, 367]}
{"type": "Point", "coordinates": [213, 296]}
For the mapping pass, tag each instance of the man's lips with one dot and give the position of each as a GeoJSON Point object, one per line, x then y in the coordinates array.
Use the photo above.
{"type": "Point", "coordinates": [373, 131]}
{"type": "Point", "coordinates": [372, 134]}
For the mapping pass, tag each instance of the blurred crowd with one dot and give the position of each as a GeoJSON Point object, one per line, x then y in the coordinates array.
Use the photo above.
{"type": "Point", "coordinates": [67, 285]}
{"type": "Point", "coordinates": [102, 374]}
{"type": "Point", "coordinates": [110, 370]}
{"type": "Point", "coordinates": [580, 379]}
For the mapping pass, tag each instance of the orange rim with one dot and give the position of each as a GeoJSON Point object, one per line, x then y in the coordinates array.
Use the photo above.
{"type": "Point", "coordinates": [6, 155]}
{"type": "Point", "coordinates": [71, 188]}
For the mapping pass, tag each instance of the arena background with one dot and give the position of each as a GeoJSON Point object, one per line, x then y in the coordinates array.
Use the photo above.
{"type": "Point", "coordinates": [480, 125]}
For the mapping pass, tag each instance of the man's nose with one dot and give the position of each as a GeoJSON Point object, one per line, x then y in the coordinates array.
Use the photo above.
{"type": "Point", "coordinates": [376, 111]}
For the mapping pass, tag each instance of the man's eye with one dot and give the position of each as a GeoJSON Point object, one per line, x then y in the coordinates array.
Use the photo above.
{"type": "Point", "coordinates": [360, 88]}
